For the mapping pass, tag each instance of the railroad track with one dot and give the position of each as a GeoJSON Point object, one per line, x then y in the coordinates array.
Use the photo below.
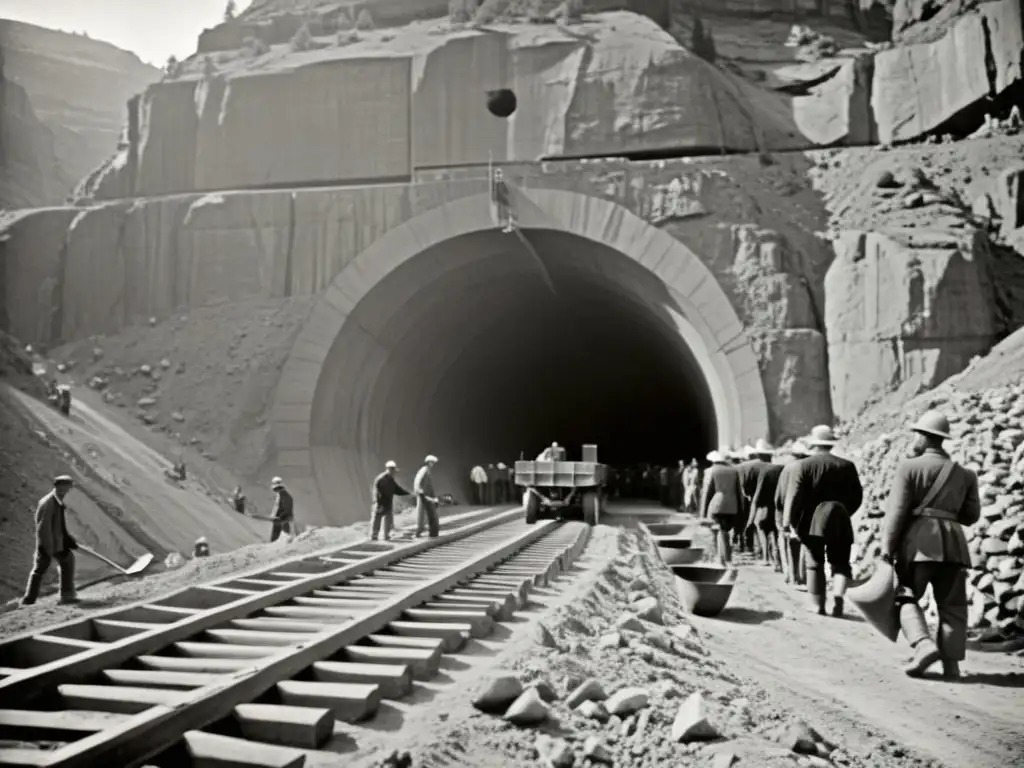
{"type": "Point", "coordinates": [254, 670]}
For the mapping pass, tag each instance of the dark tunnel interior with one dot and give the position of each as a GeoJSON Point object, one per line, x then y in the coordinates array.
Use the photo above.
{"type": "Point", "coordinates": [465, 351]}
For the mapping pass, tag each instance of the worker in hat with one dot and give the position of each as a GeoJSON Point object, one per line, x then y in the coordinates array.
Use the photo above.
{"type": "Point", "coordinates": [201, 548]}
{"type": "Point", "coordinates": [283, 515]}
{"type": "Point", "coordinates": [721, 501]}
{"type": "Point", "coordinates": [691, 486]}
{"type": "Point", "coordinates": [385, 488]}
{"type": "Point", "coordinates": [789, 546]}
{"type": "Point", "coordinates": [53, 542]}
{"type": "Point", "coordinates": [824, 530]}
{"type": "Point", "coordinates": [760, 480]}
{"type": "Point", "coordinates": [478, 481]}
{"type": "Point", "coordinates": [748, 468]}
{"type": "Point", "coordinates": [426, 499]}
{"type": "Point", "coordinates": [504, 485]}
{"type": "Point", "coordinates": [238, 500]}
{"type": "Point", "coordinates": [932, 498]}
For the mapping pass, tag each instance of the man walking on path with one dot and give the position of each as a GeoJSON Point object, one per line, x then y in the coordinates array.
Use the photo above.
{"type": "Point", "coordinates": [385, 488]}
{"type": "Point", "coordinates": [691, 486]}
{"type": "Point", "coordinates": [819, 478]}
{"type": "Point", "coordinates": [762, 502]}
{"type": "Point", "coordinates": [932, 497]}
{"type": "Point", "coordinates": [504, 484]}
{"type": "Point", "coordinates": [478, 477]}
{"type": "Point", "coordinates": [721, 501]}
{"type": "Point", "coordinates": [789, 546]}
{"type": "Point", "coordinates": [53, 542]}
{"type": "Point", "coordinates": [830, 539]}
{"type": "Point", "coordinates": [426, 499]}
{"type": "Point", "coordinates": [283, 516]}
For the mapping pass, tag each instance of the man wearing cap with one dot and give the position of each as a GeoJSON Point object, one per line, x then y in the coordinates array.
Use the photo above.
{"type": "Point", "coordinates": [823, 477]}
{"type": "Point", "coordinates": [721, 500]}
{"type": "Point", "coordinates": [53, 542]}
{"type": "Point", "coordinates": [385, 488]}
{"type": "Point", "coordinates": [932, 497]}
{"type": "Point", "coordinates": [283, 516]}
{"type": "Point", "coordinates": [426, 499]}
{"type": "Point", "coordinates": [759, 486]}
{"type": "Point", "coordinates": [789, 546]}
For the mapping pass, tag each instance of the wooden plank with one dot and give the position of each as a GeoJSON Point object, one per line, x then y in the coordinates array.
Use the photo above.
{"type": "Point", "coordinates": [49, 649]}
{"type": "Point", "coordinates": [186, 664]}
{"type": "Point", "coordinates": [209, 750]}
{"type": "Point", "coordinates": [252, 637]}
{"type": "Point", "coordinates": [112, 629]}
{"type": "Point", "coordinates": [454, 635]}
{"type": "Point", "coordinates": [157, 614]}
{"type": "Point", "coordinates": [395, 680]}
{"type": "Point", "coordinates": [18, 688]}
{"type": "Point", "coordinates": [225, 650]}
{"type": "Point", "coordinates": [151, 678]}
{"type": "Point", "coordinates": [350, 702]}
{"type": "Point", "coordinates": [481, 623]}
{"type": "Point", "coordinates": [271, 624]}
{"type": "Point", "coordinates": [153, 732]}
{"type": "Point", "coordinates": [122, 699]}
{"type": "Point", "coordinates": [65, 720]}
{"type": "Point", "coordinates": [308, 727]}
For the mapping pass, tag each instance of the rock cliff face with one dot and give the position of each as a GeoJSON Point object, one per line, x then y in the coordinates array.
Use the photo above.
{"type": "Point", "coordinates": [30, 174]}
{"type": "Point", "coordinates": [77, 88]}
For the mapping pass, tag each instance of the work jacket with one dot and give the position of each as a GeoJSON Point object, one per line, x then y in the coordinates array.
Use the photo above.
{"type": "Point", "coordinates": [691, 484]}
{"type": "Point", "coordinates": [766, 486]}
{"type": "Point", "coordinates": [750, 471]}
{"type": "Point", "coordinates": [932, 533]}
{"type": "Point", "coordinates": [782, 489]}
{"type": "Point", "coordinates": [477, 475]}
{"type": "Point", "coordinates": [722, 492]}
{"type": "Point", "coordinates": [284, 506]}
{"type": "Point", "coordinates": [423, 487]}
{"type": "Point", "coordinates": [819, 478]}
{"type": "Point", "coordinates": [52, 535]}
{"type": "Point", "coordinates": [384, 490]}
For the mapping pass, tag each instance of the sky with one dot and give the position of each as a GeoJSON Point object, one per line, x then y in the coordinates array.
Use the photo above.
{"type": "Point", "coordinates": [152, 29]}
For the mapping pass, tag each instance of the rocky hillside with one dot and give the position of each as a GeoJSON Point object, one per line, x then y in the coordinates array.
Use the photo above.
{"type": "Point", "coordinates": [30, 174]}
{"type": "Point", "coordinates": [77, 88]}
{"type": "Point", "coordinates": [986, 405]}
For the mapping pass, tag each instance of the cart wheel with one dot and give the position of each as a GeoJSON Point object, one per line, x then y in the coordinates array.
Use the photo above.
{"type": "Point", "coordinates": [591, 507]}
{"type": "Point", "coordinates": [532, 504]}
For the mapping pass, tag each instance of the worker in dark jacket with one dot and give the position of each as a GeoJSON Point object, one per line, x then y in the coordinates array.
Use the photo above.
{"type": "Point", "coordinates": [238, 500]}
{"type": "Point", "coordinates": [493, 491]}
{"type": "Point", "coordinates": [764, 477]}
{"type": "Point", "coordinates": [664, 490]}
{"type": "Point", "coordinates": [53, 542]}
{"type": "Point", "coordinates": [721, 501]}
{"type": "Point", "coordinates": [932, 497]}
{"type": "Point", "coordinates": [504, 483]}
{"type": "Point", "coordinates": [820, 477]}
{"type": "Point", "coordinates": [749, 467]}
{"type": "Point", "coordinates": [789, 545]}
{"type": "Point", "coordinates": [283, 515]}
{"type": "Point", "coordinates": [426, 499]}
{"type": "Point", "coordinates": [385, 488]}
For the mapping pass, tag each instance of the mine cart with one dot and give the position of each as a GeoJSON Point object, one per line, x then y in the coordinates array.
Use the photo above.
{"type": "Point", "coordinates": [559, 488]}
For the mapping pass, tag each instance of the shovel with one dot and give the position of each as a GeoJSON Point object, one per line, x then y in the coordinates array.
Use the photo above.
{"type": "Point", "coordinates": [138, 566]}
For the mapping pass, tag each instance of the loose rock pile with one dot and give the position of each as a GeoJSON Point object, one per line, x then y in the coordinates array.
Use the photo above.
{"type": "Point", "coordinates": [988, 428]}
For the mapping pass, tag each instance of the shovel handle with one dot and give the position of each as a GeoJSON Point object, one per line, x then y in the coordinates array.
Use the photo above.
{"type": "Point", "coordinates": [98, 556]}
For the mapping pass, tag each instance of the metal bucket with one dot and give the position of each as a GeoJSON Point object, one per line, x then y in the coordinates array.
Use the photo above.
{"type": "Point", "coordinates": [704, 589]}
{"type": "Point", "coordinates": [680, 555]}
{"type": "Point", "coordinates": [667, 529]}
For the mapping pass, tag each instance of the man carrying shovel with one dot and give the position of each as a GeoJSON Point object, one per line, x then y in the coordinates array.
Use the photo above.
{"type": "Point", "coordinates": [53, 542]}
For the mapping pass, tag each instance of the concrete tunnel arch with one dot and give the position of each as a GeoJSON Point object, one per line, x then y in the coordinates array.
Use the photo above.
{"type": "Point", "coordinates": [359, 384]}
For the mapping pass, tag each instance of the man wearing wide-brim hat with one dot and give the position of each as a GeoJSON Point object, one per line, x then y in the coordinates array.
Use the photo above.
{"type": "Point", "coordinates": [759, 485]}
{"type": "Point", "coordinates": [789, 546]}
{"type": "Point", "coordinates": [932, 497]}
{"type": "Point", "coordinates": [53, 542]}
{"type": "Point", "coordinates": [283, 516]}
{"type": "Point", "coordinates": [426, 499]}
{"type": "Point", "coordinates": [721, 501]}
{"type": "Point", "coordinates": [822, 496]}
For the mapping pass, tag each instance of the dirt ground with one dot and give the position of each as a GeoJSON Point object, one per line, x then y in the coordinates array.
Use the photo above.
{"type": "Point", "coordinates": [765, 663]}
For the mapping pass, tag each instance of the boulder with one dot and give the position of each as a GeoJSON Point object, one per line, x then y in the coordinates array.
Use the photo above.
{"type": "Point", "coordinates": [497, 694]}
{"type": "Point", "coordinates": [626, 701]}
{"type": "Point", "coordinates": [589, 690]}
{"type": "Point", "coordinates": [691, 722]}
{"type": "Point", "coordinates": [648, 609]}
{"type": "Point", "coordinates": [594, 710]}
{"type": "Point", "coordinates": [528, 709]}
{"type": "Point", "coordinates": [630, 623]}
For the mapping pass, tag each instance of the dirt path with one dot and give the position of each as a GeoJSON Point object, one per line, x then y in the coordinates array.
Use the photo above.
{"type": "Point", "coordinates": [172, 515]}
{"type": "Point", "coordinates": [845, 676]}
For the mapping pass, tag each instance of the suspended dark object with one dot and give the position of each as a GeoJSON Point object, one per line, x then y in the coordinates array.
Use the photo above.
{"type": "Point", "coordinates": [501, 103]}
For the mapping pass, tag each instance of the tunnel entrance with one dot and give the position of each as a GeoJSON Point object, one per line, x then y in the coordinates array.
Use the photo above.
{"type": "Point", "coordinates": [479, 347]}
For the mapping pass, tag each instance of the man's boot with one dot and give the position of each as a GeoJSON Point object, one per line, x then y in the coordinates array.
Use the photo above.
{"type": "Point", "coordinates": [816, 603]}
{"type": "Point", "coordinates": [915, 630]}
{"type": "Point", "coordinates": [950, 669]}
{"type": "Point", "coordinates": [837, 607]}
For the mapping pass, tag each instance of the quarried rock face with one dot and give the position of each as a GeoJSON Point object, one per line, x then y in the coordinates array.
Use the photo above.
{"type": "Point", "coordinates": [903, 311]}
{"type": "Point", "coordinates": [795, 372]}
{"type": "Point", "coordinates": [917, 88]}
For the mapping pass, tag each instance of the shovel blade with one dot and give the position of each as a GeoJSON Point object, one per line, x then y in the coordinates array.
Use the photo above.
{"type": "Point", "coordinates": [140, 565]}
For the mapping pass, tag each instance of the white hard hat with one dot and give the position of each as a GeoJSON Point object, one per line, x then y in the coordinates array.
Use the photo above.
{"type": "Point", "coordinates": [277, 481]}
{"type": "Point", "coordinates": [716, 457]}
{"type": "Point", "coordinates": [822, 435]}
{"type": "Point", "coordinates": [763, 447]}
{"type": "Point", "coordinates": [390, 465]}
{"type": "Point", "coordinates": [201, 540]}
{"type": "Point", "coordinates": [431, 458]}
